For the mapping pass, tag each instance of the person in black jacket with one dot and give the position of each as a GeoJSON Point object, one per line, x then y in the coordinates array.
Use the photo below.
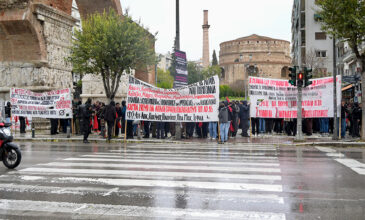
{"type": "Point", "coordinates": [244, 117]}
{"type": "Point", "coordinates": [356, 112]}
{"type": "Point", "coordinates": [86, 116]}
{"type": "Point", "coordinates": [110, 116]}
{"type": "Point", "coordinates": [8, 112]}
{"type": "Point", "coordinates": [118, 120]}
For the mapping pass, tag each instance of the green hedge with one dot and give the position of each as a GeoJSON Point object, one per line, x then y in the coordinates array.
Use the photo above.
{"type": "Point", "coordinates": [225, 91]}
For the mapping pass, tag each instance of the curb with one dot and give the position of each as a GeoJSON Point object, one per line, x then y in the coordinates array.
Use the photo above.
{"type": "Point", "coordinates": [134, 141]}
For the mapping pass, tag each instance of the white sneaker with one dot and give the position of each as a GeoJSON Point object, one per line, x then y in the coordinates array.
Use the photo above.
{"type": "Point", "coordinates": [213, 139]}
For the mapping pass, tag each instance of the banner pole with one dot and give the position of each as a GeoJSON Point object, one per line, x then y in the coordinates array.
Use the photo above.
{"type": "Point", "coordinates": [125, 132]}
{"type": "Point", "coordinates": [339, 127]}
{"type": "Point", "coordinates": [250, 128]}
{"type": "Point", "coordinates": [72, 126]}
{"type": "Point", "coordinates": [219, 132]}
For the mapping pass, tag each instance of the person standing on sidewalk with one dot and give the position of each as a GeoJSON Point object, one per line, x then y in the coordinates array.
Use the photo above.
{"type": "Point", "coordinates": [224, 122]}
{"type": "Point", "coordinates": [110, 116]}
{"type": "Point", "coordinates": [86, 117]}
{"type": "Point", "coordinates": [213, 130]}
{"type": "Point", "coordinates": [343, 119]}
{"type": "Point", "coordinates": [244, 118]}
{"type": "Point", "coordinates": [8, 112]}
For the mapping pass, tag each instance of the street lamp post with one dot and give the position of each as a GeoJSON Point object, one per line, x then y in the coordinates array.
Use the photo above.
{"type": "Point", "coordinates": [247, 66]}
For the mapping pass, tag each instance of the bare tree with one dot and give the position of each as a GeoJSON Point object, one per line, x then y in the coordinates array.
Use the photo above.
{"type": "Point", "coordinates": [317, 64]}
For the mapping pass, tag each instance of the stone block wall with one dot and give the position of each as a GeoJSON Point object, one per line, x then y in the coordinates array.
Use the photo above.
{"type": "Point", "coordinates": [40, 43]}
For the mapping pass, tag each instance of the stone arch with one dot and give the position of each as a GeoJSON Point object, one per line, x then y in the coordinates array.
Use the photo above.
{"type": "Point", "coordinates": [284, 72]}
{"type": "Point", "coordinates": [87, 7]}
{"type": "Point", "coordinates": [21, 38]}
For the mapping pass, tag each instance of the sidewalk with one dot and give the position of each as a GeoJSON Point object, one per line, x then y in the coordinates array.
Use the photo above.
{"type": "Point", "coordinates": [266, 139]}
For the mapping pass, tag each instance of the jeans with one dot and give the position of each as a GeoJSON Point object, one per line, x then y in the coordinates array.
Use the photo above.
{"type": "Point", "coordinates": [262, 128]}
{"type": "Point", "coordinates": [213, 129]}
{"type": "Point", "coordinates": [324, 125]}
{"type": "Point", "coordinates": [343, 127]}
{"type": "Point", "coordinates": [224, 131]}
{"type": "Point", "coordinates": [7, 120]}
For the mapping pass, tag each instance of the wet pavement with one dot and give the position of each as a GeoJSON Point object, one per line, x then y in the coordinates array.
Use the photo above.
{"type": "Point", "coordinates": [189, 181]}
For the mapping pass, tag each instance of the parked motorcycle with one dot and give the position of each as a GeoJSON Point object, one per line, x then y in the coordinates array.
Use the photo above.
{"type": "Point", "coordinates": [9, 152]}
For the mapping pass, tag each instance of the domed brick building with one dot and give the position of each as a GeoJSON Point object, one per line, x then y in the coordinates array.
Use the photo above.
{"type": "Point", "coordinates": [253, 56]}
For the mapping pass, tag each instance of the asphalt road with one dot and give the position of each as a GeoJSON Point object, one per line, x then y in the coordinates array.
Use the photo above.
{"type": "Point", "coordinates": [190, 181]}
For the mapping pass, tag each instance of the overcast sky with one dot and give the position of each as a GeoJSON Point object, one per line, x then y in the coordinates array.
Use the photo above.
{"type": "Point", "coordinates": [229, 20]}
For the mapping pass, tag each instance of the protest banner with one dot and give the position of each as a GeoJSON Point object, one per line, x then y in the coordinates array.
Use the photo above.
{"type": "Point", "coordinates": [194, 103]}
{"type": "Point", "coordinates": [274, 98]}
{"type": "Point", "coordinates": [181, 68]}
{"type": "Point", "coordinates": [52, 104]}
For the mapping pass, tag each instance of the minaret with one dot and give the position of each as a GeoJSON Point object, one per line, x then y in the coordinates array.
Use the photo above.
{"type": "Point", "coordinates": [206, 53]}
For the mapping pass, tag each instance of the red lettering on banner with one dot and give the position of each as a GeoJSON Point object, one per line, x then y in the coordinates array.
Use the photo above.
{"type": "Point", "coordinates": [265, 113]}
{"type": "Point", "coordinates": [132, 107]}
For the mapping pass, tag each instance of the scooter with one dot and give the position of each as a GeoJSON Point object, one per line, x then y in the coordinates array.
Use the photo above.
{"type": "Point", "coordinates": [9, 152]}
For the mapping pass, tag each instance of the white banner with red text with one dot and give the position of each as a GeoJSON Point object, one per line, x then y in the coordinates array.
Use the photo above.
{"type": "Point", "coordinates": [194, 103]}
{"type": "Point", "coordinates": [52, 104]}
{"type": "Point", "coordinates": [275, 98]}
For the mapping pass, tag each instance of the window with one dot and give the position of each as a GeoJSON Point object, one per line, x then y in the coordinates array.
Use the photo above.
{"type": "Point", "coordinates": [321, 36]}
{"type": "Point", "coordinates": [321, 53]}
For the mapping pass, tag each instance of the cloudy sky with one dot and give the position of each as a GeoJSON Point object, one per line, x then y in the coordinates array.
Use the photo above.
{"type": "Point", "coordinates": [229, 19]}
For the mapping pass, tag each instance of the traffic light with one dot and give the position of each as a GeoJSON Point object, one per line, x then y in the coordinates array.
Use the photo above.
{"type": "Point", "coordinates": [307, 76]}
{"type": "Point", "coordinates": [293, 76]}
{"type": "Point", "coordinates": [300, 79]}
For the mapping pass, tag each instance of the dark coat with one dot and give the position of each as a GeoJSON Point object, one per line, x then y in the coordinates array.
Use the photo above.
{"type": "Point", "coordinates": [244, 111]}
{"type": "Point", "coordinates": [223, 115]}
{"type": "Point", "coordinates": [110, 113]}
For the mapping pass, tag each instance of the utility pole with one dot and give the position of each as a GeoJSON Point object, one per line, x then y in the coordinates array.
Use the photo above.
{"type": "Point", "coordinates": [335, 124]}
{"type": "Point", "coordinates": [177, 38]}
{"type": "Point", "coordinates": [300, 85]}
{"type": "Point", "coordinates": [299, 135]}
{"type": "Point", "coordinates": [177, 47]}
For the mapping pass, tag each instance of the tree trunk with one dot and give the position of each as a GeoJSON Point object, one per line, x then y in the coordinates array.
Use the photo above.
{"type": "Point", "coordinates": [362, 99]}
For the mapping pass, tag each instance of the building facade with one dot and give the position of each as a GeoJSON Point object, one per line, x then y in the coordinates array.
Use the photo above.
{"type": "Point", "coordinates": [165, 61]}
{"type": "Point", "coordinates": [311, 47]}
{"type": "Point", "coordinates": [253, 56]}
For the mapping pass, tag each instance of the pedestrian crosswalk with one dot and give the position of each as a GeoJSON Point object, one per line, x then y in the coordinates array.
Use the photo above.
{"type": "Point", "coordinates": [151, 181]}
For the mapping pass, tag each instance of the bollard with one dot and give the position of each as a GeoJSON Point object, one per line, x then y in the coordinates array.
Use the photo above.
{"type": "Point", "coordinates": [68, 131]}
{"type": "Point", "coordinates": [33, 130]}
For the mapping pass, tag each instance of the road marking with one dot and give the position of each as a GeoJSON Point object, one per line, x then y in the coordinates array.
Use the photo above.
{"type": "Point", "coordinates": [220, 156]}
{"type": "Point", "coordinates": [82, 207]}
{"type": "Point", "coordinates": [199, 147]}
{"type": "Point", "coordinates": [326, 149]}
{"type": "Point", "coordinates": [102, 191]}
{"type": "Point", "coordinates": [193, 152]}
{"type": "Point", "coordinates": [133, 211]}
{"type": "Point", "coordinates": [111, 191]}
{"type": "Point", "coordinates": [355, 165]}
{"type": "Point", "coordinates": [137, 173]}
{"type": "Point", "coordinates": [166, 167]}
{"type": "Point", "coordinates": [188, 162]}
{"type": "Point", "coordinates": [163, 160]}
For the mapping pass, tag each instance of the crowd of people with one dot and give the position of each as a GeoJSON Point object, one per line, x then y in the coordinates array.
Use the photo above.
{"type": "Point", "coordinates": [109, 121]}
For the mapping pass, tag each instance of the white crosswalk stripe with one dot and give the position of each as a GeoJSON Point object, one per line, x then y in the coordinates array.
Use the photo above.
{"type": "Point", "coordinates": [233, 178]}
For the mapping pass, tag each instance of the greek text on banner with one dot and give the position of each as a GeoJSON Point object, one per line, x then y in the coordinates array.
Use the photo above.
{"type": "Point", "coordinates": [52, 104]}
{"type": "Point", "coordinates": [274, 98]}
{"type": "Point", "coordinates": [194, 103]}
